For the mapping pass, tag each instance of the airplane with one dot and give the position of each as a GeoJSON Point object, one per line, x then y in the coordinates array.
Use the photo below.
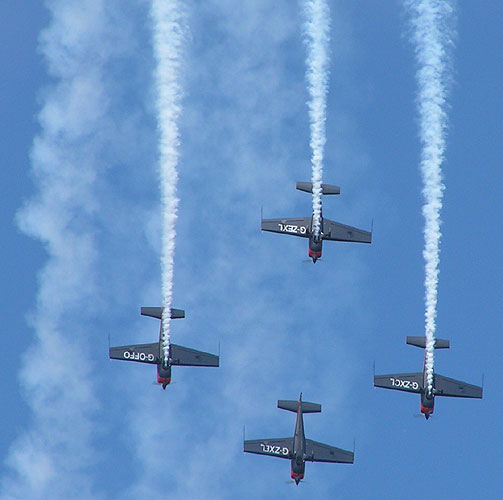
{"type": "Point", "coordinates": [417, 382]}
{"type": "Point", "coordinates": [153, 353]}
{"type": "Point", "coordinates": [303, 226]}
{"type": "Point", "coordinates": [298, 449]}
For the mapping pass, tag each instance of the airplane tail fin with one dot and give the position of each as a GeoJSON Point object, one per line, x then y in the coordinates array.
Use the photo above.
{"type": "Point", "coordinates": [156, 312]}
{"type": "Point", "coordinates": [421, 342]}
{"type": "Point", "coordinates": [325, 188]}
{"type": "Point", "coordinates": [293, 405]}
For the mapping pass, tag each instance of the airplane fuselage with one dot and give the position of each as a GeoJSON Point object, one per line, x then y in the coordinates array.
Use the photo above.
{"type": "Point", "coordinates": [315, 243]}
{"type": "Point", "coordinates": [298, 464]}
{"type": "Point", "coordinates": [163, 375]}
{"type": "Point", "coordinates": [163, 370]}
{"type": "Point", "coordinates": [427, 400]}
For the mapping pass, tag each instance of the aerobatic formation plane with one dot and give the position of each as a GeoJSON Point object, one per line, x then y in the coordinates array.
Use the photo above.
{"type": "Point", "coordinates": [298, 449]}
{"type": "Point", "coordinates": [153, 353]}
{"type": "Point", "coordinates": [417, 382]}
{"type": "Point", "coordinates": [303, 227]}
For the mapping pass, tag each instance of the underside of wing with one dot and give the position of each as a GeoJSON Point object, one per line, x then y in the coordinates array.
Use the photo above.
{"type": "Point", "coordinates": [408, 382]}
{"type": "Point", "coordinates": [335, 231]}
{"type": "Point", "coordinates": [275, 447]}
{"type": "Point", "coordinates": [183, 356]}
{"type": "Point", "coordinates": [445, 386]}
{"type": "Point", "coordinates": [142, 353]}
{"type": "Point", "coordinates": [294, 227]}
{"type": "Point", "coordinates": [319, 452]}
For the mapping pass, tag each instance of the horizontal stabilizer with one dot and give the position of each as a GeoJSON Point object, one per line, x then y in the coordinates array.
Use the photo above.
{"type": "Point", "coordinates": [156, 312]}
{"type": "Point", "coordinates": [421, 342]}
{"type": "Point", "coordinates": [325, 188]}
{"type": "Point", "coordinates": [293, 405]}
{"type": "Point", "coordinates": [183, 356]}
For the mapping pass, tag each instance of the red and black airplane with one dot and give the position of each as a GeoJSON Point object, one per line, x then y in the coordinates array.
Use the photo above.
{"type": "Point", "coordinates": [298, 449]}
{"type": "Point", "coordinates": [417, 382]}
{"type": "Point", "coordinates": [304, 226]}
{"type": "Point", "coordinates": [153, 353]}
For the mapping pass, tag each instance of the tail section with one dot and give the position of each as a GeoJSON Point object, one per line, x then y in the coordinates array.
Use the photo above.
{"type": "Point", "coordinates": [293, 405]}
{"type": "Point", "coordinates": [325, 188]}
{"type": "Point", "coordinates": [156, 312]}
{"type": "Point", "coordinates": [421, 342]}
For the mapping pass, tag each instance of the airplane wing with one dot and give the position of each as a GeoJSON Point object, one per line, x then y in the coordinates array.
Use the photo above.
{"type": "Point", "coordinates": [294, 227]}
{"type": "Point", "coordinates": [142, 353]}
{"type": "Point", "coordinates": [408, 382]}
{"type": "Point", "coordinates": [319, 452]}
{"type": "Point", "coordinates": [280, 447]}
{"type": "Point", "coordinates": [445, 386]}
{"type": "Point", "coordinates": [335, 231]}
{"type": "Point", "coordinates": [183, 356]}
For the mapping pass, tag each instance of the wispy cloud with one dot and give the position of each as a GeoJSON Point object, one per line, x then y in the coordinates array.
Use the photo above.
{"type": "Point", "coordinates": [53, 456]}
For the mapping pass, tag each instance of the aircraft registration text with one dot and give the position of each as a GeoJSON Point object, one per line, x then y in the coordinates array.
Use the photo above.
{"type": "Point", "coordinates": [275, 450]}
{"type": "Point", "coordinates": [292, 228]}
{"type": "Point", "coordinates": [404, 384]}
{"type": "Point", "coordinates": [138, 356]}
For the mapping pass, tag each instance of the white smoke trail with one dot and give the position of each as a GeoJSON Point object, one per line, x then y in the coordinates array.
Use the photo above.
{"type": "Point", "coordinates": [317, 36]}
{"type": "Point", "coordinates": [168, 20]}
{"type": "Point", "coordinates": [432, 21]}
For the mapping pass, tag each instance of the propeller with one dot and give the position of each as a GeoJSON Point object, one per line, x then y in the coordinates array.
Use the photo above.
{"type": "Point", "coordinates": [421, 415]}
{"type": "Point", "coordinates": [157, 383]}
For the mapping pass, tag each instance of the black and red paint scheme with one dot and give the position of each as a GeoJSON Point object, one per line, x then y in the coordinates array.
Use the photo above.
{"type": "Point", "coordinates": [298, 449]}
{"type": "Point", "coordinates": [153, 353]}
{"type": "Point", "coordinates": [418, 382]}
{"type": "Point", "coordinates": [304, 227]}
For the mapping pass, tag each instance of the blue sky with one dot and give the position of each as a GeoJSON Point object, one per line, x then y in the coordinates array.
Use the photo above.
{"type": "Point", "coordinates": [81, 245]}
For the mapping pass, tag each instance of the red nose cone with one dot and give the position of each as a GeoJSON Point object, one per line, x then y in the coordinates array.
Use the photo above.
{"type": "Point", "coordinates": [163, 381]}
{"type": "Point", "coordinates": [426, 411]}
{"type": "Point", "coordinates": [313, 254]}
{"type": "Point", "coordinates": [295, 476]}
